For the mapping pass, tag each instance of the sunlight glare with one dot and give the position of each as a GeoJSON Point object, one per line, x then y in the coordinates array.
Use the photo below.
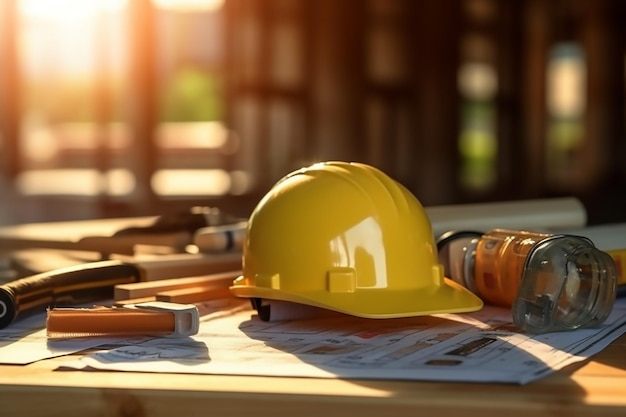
{"type": "Point", "coordinates": [176, 182]}
{"type": "Point", "coordinates": [566, 75]}
{"type": "Point", "coordinates": [83, 182]}
{"type": "Point", "coordinates": [120, 182]}
{"type": "Point", "coordinates": [208, 135]}
{"type": "Point", "coordinates": [189, 5]}
{"type": "Point", "coordinates": [68, 10]}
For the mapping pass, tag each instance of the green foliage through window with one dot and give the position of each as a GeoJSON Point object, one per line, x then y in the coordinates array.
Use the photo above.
{"type": "Point", "coordinates": [192, 95]}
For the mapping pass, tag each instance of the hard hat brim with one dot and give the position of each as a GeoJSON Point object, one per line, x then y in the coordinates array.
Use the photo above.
{"type": "Point", "coordinates": [447, 298]}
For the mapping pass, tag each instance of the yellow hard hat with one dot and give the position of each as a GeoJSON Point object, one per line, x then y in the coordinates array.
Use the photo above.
{"type": "Point", "coordinates": [346, 237]}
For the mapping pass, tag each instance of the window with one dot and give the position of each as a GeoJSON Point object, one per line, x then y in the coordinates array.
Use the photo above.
{"type": "Point", "coordinates": [120, 100]}
{"type": "Point", "coordinates": [133, 107]}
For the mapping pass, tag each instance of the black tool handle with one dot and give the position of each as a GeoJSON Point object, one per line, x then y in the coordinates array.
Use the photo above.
{"type": "Point", "coordinates": [66, 286]}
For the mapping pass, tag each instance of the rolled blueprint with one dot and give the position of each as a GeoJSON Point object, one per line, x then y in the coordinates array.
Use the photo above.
{"type": "Point", "coordinates": [553, 214]}
{"type": "Point", "coordinates": [607, 237]}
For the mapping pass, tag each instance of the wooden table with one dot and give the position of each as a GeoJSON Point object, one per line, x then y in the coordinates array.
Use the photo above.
{"type": "Point", "coordinates": [594, 388]}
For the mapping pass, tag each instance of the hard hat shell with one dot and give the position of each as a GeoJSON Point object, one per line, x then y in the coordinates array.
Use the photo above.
{"type": "Point", "coordinates": [346, 237]}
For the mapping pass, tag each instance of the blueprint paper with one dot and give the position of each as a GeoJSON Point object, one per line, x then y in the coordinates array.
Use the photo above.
{"type": "Point", "coordinates": [476, 347]}
{"type": "Point", "coordinates": [25, 341]}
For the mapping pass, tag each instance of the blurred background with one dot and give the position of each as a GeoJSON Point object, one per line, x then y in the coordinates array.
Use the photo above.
{"type": "Point", "coordinates": [114, 108]}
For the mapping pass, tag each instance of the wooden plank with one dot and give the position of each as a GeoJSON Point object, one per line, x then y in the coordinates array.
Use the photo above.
{"type": "Point", "coordinates": [159, 267]}
{"type": "Point", "coordinates": [193, 294]}
{"type": "Point", "coordinates": [152, 288]}
{"type": "Point", "coordinates": [125, 302]}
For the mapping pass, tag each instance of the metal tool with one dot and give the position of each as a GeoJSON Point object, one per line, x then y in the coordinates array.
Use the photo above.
{"type": "Point", "coordinates": [551, 282]}
{"type": "Point", "coordinates": [88, 282]}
